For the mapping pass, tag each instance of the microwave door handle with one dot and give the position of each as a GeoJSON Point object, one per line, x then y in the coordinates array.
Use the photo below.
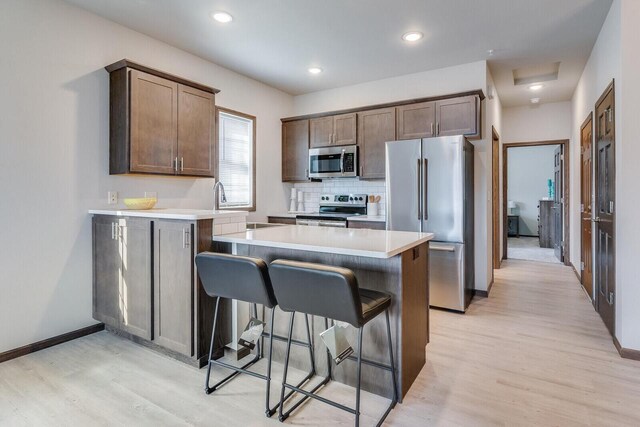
{"type": "Point", "coordinates": [342, 162]}
{"type": "Point", "coordinates": [425, 177]}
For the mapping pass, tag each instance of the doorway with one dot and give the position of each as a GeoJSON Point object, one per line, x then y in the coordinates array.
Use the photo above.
{"type": "Point", "coordinates": [495, 194]}
{"type": "Point", "coordinates": [605, 172]}
{"type": "Point", "coordinates": [535, 196]}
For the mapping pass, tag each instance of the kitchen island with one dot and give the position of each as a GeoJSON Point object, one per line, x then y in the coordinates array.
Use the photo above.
{"type": "Point", "coordinates": [391, 261]}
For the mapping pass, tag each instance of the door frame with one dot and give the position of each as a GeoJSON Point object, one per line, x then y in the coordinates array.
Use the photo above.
{"type": "Point", "coordinates": [495, 196]}
{"type": "Point", "coordinates": [566, 189]}
{"type": "Point", "coordinates": [589, 118]}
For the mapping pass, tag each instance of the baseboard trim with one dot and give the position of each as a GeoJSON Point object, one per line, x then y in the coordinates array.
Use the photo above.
{"type": "Point", "coordinates": [483, 294]}
{"type": "Point", "coordinates": [626, 353]}
{"type": "Point", "coordinates": [575, 270]}
{"type": "Point", "coordinates": [50, 342]}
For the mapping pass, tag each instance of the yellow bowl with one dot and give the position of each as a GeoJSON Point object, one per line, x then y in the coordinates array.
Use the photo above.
{"type": "Point", "coordinates": [141, 203]}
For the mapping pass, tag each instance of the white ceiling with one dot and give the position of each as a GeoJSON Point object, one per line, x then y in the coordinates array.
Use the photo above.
{"type": "Point", "coordinates": [354, 41]}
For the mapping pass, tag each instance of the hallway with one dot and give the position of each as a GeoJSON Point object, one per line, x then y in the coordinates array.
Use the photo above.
{"type": "Point", "coordinates": [534, 353]}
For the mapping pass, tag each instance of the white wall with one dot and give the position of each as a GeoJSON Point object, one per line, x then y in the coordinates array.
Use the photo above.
{"type": "Point", "coordinates": [54, 164]}
{"type": "Point", "coordinates": [541, 122]}
{"type": "Point", "coordinates": [528, 170]}
{"type": "Point", "coordinates": [627, 178]}
{"type": "Point", "coordinates": [444, 81]}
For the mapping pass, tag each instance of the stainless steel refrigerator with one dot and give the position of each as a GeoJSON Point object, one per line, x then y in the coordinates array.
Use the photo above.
{"type": "Point", "coordinates": [430, 188]}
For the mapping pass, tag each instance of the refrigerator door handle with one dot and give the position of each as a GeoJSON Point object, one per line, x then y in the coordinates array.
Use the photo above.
{"type": "Point", "coordinates": [442, 248]}
{"type": "Point", "coordinates": [418, 188]}
{"type": "Point", "coordinates": [425, 177]}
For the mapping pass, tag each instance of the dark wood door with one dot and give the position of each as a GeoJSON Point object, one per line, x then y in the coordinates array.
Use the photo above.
{"type": "Point", "coordinates": [558, 203]}
{"type": "Point", "coordinates": [321, 132]}
{"type": "Point", "coordinates": [154, 124]}
{"type": "Point", "coordinates": [586, 202]}
{"type": "Point", "coordinates": [135, 289]}
{"type": "Point", "coordinates": [375, 128]}
{"type": "Point", "coordinates": [196, 132]}
{"type": "Point", "coordinates": [457, 116]}
{"type": "Point", "coordinates": [604, 267]}
{"type": "Point", "coordinates": [295, 150]}
{"type": "Point", "coordinates": [416, 120]}
{"type": "Point", "coordinates": [173, 285]}
{"type": "Point", "coordinates": [345, 129]}
{"type": "Point", "coordinates": [107, 263]}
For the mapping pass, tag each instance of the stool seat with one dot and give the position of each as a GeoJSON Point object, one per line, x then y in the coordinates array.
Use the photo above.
{"type": "Point", "coordinates": [373, 303]}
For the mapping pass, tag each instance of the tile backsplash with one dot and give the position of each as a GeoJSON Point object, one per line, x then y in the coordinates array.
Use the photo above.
{"type": "Point", "coordinates": [313, 190]}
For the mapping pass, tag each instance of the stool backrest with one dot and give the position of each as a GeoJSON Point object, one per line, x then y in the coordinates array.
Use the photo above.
{"type": "Point", "coordinates": [236, 277]}
{"type": "Point", "coordinates": [317, 289]}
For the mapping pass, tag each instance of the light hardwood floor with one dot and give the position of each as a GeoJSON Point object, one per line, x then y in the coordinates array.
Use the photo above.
{"type": "Point", "coordinates": [534, 353]}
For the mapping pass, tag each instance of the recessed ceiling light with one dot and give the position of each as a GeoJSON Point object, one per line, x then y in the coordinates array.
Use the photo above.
{"type": "Point", "coordinates": [490, 52]}
{"type": "Point", "coordinates": [535, 87]}
{"type": "Point", "coordinates": [223, 17]}
{"type": "Point", "coordinates": [315, 70]}
{"type": "Point", "coordinates": [412, 36]}
{"type": "Point", "coordinates": [535, 100]}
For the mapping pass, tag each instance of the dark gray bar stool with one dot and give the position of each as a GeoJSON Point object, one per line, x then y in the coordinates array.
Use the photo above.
{"type": "Point", "coordinates": [244, 279]}
{"type": "Point", "coordinates": [330, 292]}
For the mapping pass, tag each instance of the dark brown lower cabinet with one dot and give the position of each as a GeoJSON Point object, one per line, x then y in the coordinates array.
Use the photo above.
{"type": "Point", "coordinates": [145, 284]}
{"type": "Point", "coordinates": [281, 220]}
{"type": "Point", "coordinates": [173, 285]}
{"type": "Point", "coordinates": [122, 274]}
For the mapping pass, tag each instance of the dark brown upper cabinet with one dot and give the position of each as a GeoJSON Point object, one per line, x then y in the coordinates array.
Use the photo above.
{"type": "Point", "coordinates": [454, 116]}
{"type": "Point", "coordinates": [375, 128]}
{"type": "Point", "coordinates": [458, 116]}
{"type": "Point", "coordinates": [159, 123]}
{"type": "Point", "coordinates": [416, 120]}
{"type": "Point", "coordinates": [333, 130]}
{"type": "Point", "coordinates": [295, 150]}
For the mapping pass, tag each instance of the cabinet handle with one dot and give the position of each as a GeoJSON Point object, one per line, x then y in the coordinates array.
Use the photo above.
{"type": "Point", "coordinates": [432, 128]}
{"type": "Point", "coordinates": [181, 164]}
{"type": "Point", "coordinates": [175, 164]}
{"type": "Point", "coordinates": [113, 231]}
{"type": "Point", "coordinates": [185, 238]}
{"type": "Point", "coordinates": [306, 173]}
{"type": "Point", "coordinates": [361, 170]}
{"type": "Point", "coordinates": [437, 128]}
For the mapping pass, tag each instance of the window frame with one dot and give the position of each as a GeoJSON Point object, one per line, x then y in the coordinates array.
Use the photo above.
{"type": "Point", "coordinates": [219, 110]}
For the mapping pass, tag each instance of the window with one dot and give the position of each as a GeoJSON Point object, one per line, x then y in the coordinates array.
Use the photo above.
{"type": "Point", "coordinates": [236, 159]}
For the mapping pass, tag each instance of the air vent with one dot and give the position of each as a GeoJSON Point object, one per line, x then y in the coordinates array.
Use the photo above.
{"type": "Point", "coordinates": [536, 74]}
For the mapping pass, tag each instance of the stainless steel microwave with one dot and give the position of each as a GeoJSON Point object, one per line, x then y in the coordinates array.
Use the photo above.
{"type": "Point", "coordinates": [333, 162]}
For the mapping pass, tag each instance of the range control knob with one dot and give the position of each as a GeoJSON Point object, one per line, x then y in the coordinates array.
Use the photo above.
{"type": "Point", "coordinates": [360, 198]}
{"type": "Point", "coordinates": [351, 199]}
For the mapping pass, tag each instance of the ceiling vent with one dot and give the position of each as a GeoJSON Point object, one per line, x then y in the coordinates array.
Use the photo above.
{"type": "Point", "coordinates": [536, 74]}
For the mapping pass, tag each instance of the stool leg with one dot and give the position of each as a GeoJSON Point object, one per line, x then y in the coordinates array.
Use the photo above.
{"type": "Point", "coordinates": [311, 356]}
{"type": "Point", "coordinates": [259, 354]}
{"type": "Point", "coordinates": [208, 390]}
{"type": "Point", "coordinates": [393, 369]}
{"type": "Point", "coordinates": [359, 376]}
{"type": "Point", "coordinates": [286, 366]}
{"type": "Point", "coordinates": [329, 375]}
{"type": "Point", "coordinates": [269, 411]}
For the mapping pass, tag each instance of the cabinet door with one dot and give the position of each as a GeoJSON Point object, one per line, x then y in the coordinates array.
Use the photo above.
{"type": "Point", "coordinates": [457, 116]}
{"type": "Point", "coordinates": [135, 288]}
{"type": "Point", "coordinates": [154, 123]}
{"type": "Point", "coordinates": [416, 120]}
{"type": "Point", "coordinates": [196, 132]}
{"type": "Point", "coordinates": [344, 127]}
{"type": "Point", "coordinates": [107, 263]}
{"type": "Point", "coordinates": [173, 274]}
{"type": "Point", "coordinates": [295, 150]}
{"type": "Point", "coordinates": [375, 128]}
{"type": "Point", "coordinates": [321, 131]}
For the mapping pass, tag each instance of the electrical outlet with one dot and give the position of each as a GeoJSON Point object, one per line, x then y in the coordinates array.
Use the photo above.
{"type": "Point", "coordinates": [112, 197]}
{"type": "Point", "coordinates": [152, 194]}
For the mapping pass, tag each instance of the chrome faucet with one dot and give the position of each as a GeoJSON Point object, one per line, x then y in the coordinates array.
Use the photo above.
{"type": "Point", "coordinates": [216, 201]}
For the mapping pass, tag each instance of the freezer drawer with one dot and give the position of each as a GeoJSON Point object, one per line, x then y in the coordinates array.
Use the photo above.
{"type": "Point", "coordinates": [447, 276]}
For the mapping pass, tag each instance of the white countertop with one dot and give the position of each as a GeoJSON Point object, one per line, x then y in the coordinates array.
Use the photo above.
{"type": "Point", "coordinates": [343, 241]}
{"type": "Point", "coordinates": [372, 218]}
{"type": "Point", "coordinates": [167, 213]}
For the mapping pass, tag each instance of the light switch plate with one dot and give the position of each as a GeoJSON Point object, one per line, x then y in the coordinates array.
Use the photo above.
{"type": "Point", "coordinates": [112, 197]}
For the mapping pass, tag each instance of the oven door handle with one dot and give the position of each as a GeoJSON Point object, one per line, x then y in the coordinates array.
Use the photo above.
{"type": "Point", "coordinates": [342, 162]}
